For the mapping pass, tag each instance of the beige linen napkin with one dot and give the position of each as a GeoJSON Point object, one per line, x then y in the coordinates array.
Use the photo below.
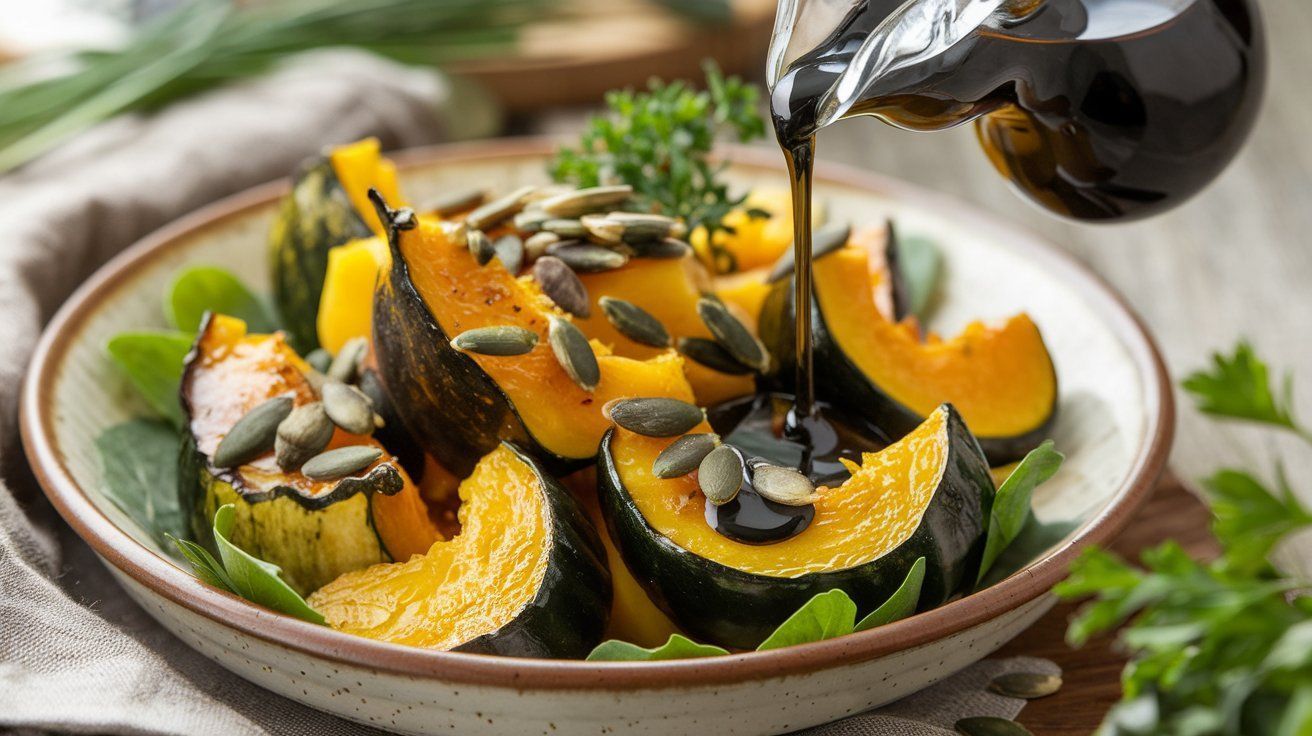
{"type": "Point", "coordinates": [75, 654]}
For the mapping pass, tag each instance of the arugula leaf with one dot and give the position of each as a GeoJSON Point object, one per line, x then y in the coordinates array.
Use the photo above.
{"type": "Point", "coordinates": [1238, 387]}
{"type": "Point", "coordinates": [825, 616]}
{"type": "Point", "coordinates": [254, 579]}
{"type": "Point", "coordinates": [152, 362]}
{"type": "Point", "coordinates": [140, 461]}
{"type": "Point", "coordinates": [1250, 519]}
{"type": "Point", "coordinates": [899, 605]}
{"type": "Point", "coordinates": [204, 289]}
{"type": "Point", "coordinates": [677, 647]}
{"type": "Point", "coordinates": [920, 262]}
{"type": "Point", "coordinates": [1011, 504]}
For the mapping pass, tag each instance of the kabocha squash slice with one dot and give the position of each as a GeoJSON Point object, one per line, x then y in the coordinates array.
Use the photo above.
{"type": "Point", "coordinates": [327, 207]}
{"type": "Point", "coordinates": [313, 530]}
{"type": "Point", "coordinates": [1001, 378]}
{"type": "Point", "coordinates": [526, 576]}
{"type": "Point", "coordinates": [460, 406]}
{"type": "Point", "coordinates": [927, 495]}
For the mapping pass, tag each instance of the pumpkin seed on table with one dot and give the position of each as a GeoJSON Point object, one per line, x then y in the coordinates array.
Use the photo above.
{"type": "Point", "coordinates": [634, 322]}
{"type": "Point", "coordinates": [499, 209]}
{"type": "Point", "coordinates": [584, 201]}
{"type": "Point", "coordinates": [253, 435]}
{"type": "Point", "coordinates": [732, 335]}
{"type": "Point", "coordinates": [824, 240]}
{"type": "Point", "coordinates": [341, 462]}
{"type": "Point", "coordinates": [710, 354]}
{"type": "Point", "coordinates": [586, 258]}
{"type": "Point", "coordinates": [654, 417]}
{"type": "Point", "coordinates": [562, 286]}
{"type": "Point", "coordinates": [684, 454]}
{"type": "Point", "coordinates": [348, 407]}
{"type": "Point", "coordinates": [456, 202]}
{"type": "Point", "coordinates": [661, 249]}
{"type": "Point", "coordinates": [783, 485]}
{"type": "Point", "coordinates": [500, 340]}
{"type": "Point", "coordinates": [574, 353]}
{"type": "Point", "coordinates": [346, 365]}
{"type": "Point", "coordinates": [720, 475]}
{"type": "Point", "coordinates": [510, 251]}
{"type": "Point", "coordinates": [302, 435]}
{"type": "Point", "coordinates": [480, 246]}
{"type": "Point", "coordinates": [319, 359]}
{"type": "Point", "coordinates": [990, 726]}
{"type": "Point", "coordinates": [1025, 685]}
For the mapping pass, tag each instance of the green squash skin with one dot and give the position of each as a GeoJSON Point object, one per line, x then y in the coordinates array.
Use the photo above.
{"type": "Point", "coordinates": [838, 378]}
{"type": "Point", "coordinates": [455, 410]}
{"type": "Point", "coordinates": [568, 616]}
{"type": "Point", "coordinates": [315, 217]}
{"type": "Point", "coordinates": [719, 604]}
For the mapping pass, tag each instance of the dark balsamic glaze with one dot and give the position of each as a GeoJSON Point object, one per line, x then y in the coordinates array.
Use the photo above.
{"type": "Point", "coordinates": [752, 519]}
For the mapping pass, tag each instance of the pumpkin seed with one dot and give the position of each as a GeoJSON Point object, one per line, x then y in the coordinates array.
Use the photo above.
{"type": "Point", "coordinates": [562, 286]}
{"type": "Point", "coordinates": [990, 726]}
{"type": "Point", "coordinates": [371, 385]}
{"type": "Point", "coordinates": [531, 220]}
{"type": "Point", "coordinates": [666, 248]}
{"type": "Point", "coordinates": [732, 335]}
{"type": "Point", "coordinates": [547, 191]}
{"type": "Point", "coordinates": [654, 417]}
{"type": "Point", "coordinates": [319, 359]}
{"type": "Point", "coordinates": [253, 434]}
{"type": "Point", "coordinates": [783, 485]}
{"type": "Point", "coordinates": [1026, 685]}
{"type": "Point", "coordinates": [480, 246]}
{"type": "Point", "coordinates": [456, 202]}
{"type": "Point", "coordinates": [510, 251]}
{"type": "Point", "coordinates": [634, 322]}
{"type": "Point", "coordinates": [341, 462]}
{"type": "Point", "coordinates": [536, 245]}
{"type": "Point", "coordinates": [348, 407]}
{"type": "Point", "coordinates": [684, 454]}
{"type": "Point", "coordinates": [499, 209]}
{"type": "Point", "coordinates": [574, 353]}
{"type": "Point", "coordinates": [710, 354]}
{"type": "Point", "coordinates": [585, 258]}
{"type": "Point", "coordinates": [302, 435]}
{"type": "Point", "coordinates": [720, 474]}
{"type": "Point", "coordinates": [346, 365]}
{"type": "Point", "coordinates": [824, 240]}
{"type": "Point", "coordinates": [602, 229]}
{"type": "Point", "coordinates": [583, 201]}
{"type": "Point", "coordinates": [641, 227]}
{"type": "Point", "coordinates": [565, 228]}
{"type": "Point", "coordinates": [501, 340]}
{"type": "Point", "coordinates": [316, 380]}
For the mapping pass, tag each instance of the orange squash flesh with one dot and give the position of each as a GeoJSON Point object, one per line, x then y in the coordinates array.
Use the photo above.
{"type": "Point", "coordinates": [346, 307]}
{"type": "Point", "coordinates": [360, 167]}
{"type": "Point", "coordinates": [460, 589]}
{"type": "Point", "coordinates": [873, 512]}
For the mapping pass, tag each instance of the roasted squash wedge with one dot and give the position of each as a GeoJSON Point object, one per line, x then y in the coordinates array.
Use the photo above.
{"type": "Point", "coordinates": [526, 576]}
{"type": "Point", "coordinates": [461, 406]}
{"type": "Point", "coordinates": [346, 306]}
{"type": "Point", "coordinates": [313, 530]}
{"type": "Point", "coordinates": [928, 495]}
{"type": "Point", "coordinates": [327, 207]}
{"type": "Point", "coordinates": [1001, 378]}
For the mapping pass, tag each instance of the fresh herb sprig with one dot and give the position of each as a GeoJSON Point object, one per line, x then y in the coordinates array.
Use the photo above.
{"type": "Point", "coordinates": [1220, 648]}
{"type": "Point", "coordinates": [659, 142]}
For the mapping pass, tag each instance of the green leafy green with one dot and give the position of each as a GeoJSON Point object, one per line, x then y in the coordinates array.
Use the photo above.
{"type": "Point", "coordinates": [825, 616]}
{"type": "Point", "coordinates": [152, 362]}
{"type": "Point", "coordinates": [1035, 538]}
{"type": "Point", "coordinates": [1011, 505]}
{"type": "Point", "coordinates": [1250, 519]}
{"type": "Point", "coordinates": [204, 289]}
{"type": "Point", "coordinates": [677, 647]}
{"type": "Point", "coordinates": [659, 142]}
{"type": "Point", "coordinates": [140, 461]}
{"type": "Point", "coordinates": [920, 262]}
{"type": "Point", "coordinates": [1238, 387]}
{"type": "Point", "coordinates": [899, 605]}
{"type": "Point", "coordinates": [208, 569]}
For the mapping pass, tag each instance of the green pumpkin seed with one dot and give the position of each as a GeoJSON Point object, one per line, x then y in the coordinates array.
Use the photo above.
{"type": "Point", "coordinates": [585, 258]}
{"type": "Point", "coordinates": [654, 417]}
{"type": "Point", "coordinates": [510, 251]}
{"type": "Point", "coordinates": [302, 435]}
{"type": "Point", "coordinates": [253, 434]}
{"type": "Point", "coordinates": [501, 340]}
{"type": "Point", "coordinates": [531, 220]}
{"type": "Point", "coordinates": [602, 229]}
{"type": "Point", "coordinates": [684, 454]}
{"type": "Point", "coordinates": [720, 474]}
{"type": "Point", "coordinates": [453, 203]}
{"type": "Point", "coordinates": [783, 485]}
{"type": "Point", "coordinates": [732, 335]}
{"type": "Point", "coordinates": [666, 248]}
{"type": "Point", "coordinates": [824, 240]}
{"type": "Point", "coordinates": [346, 365]}
{"type": "Point", "coordinates": [565, 228]}
{"type": "Point", "coordinates": [1026, 685]}
{"type": "Point", "coordinates": [341, 462]}
{"type": "Point", "coordinates": [480, 246]}
{"type": "Point", "coordinates": [536, 245]}
{"type": "Point", "coordinates": [499, 209]}
{"type": "Point", "coordinates": [709, 354]}
{"type": "Point", "coordinates": [990, 726]}
{"type": "Point", "coordinates": [645, 228]}
{"type": "Point", "coordinates": [634, 322]}
{"type": "Point", "coordinates": [562, 286]}
{"type": "Point", "coordinates": [583, 201]}
{"type": "Point", "coordinates": [574, 353]}
{"type": "Point", "coordinates": [319, 359]}
{"type": "Point", "coordinates": [348, 407]}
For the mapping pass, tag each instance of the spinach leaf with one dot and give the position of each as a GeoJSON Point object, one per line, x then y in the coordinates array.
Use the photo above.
{"type": "Point", "coordinates": [140, 462]}
{"type": "Point", "coordinates": [1035, 538]}
{"type": "Point", "coordinates": [677, 647]}
{"type": "Point", "coordinates": [899, 605]}
{"type": "Point", "coordinates": [209, 289]}
{"type": "Point", "coordinates": [1011, 505]}
{"type": "Point", "coordinates": [254, 579]}
{"type": "Point", "coordinates": [152, 362]}
{"type": "Point", "coordinates": [825, 616]}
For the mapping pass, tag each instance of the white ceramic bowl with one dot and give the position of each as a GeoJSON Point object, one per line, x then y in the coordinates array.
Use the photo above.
{"type": "Point", "coordinates": [1114, 424]}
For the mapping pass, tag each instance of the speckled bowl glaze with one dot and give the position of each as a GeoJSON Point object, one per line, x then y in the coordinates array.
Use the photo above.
{"type": "Point", "coordinates": [1115, 426]}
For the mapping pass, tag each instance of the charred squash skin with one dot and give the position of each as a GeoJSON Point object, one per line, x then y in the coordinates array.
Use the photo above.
{"type": "Point", "coordinates": [718, 602]}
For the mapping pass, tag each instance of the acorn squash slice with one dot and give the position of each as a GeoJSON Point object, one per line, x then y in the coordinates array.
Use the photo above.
{"type": "Point", "coordinates": [327, 207]}
{"type": "Point", "coordinates": [1001, 377]}
{"type": "Point", "coordinates": [461, 406]}
{"type": "Point", "coordinates": [526, 576]}
{"type": "Point", "coordinates": [927, 495]}
{"type": "Point", "coordinates": [313, 530]}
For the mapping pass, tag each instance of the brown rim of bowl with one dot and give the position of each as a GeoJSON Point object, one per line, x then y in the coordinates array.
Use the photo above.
{"type": "Point", "coordinates": [173, 583]}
